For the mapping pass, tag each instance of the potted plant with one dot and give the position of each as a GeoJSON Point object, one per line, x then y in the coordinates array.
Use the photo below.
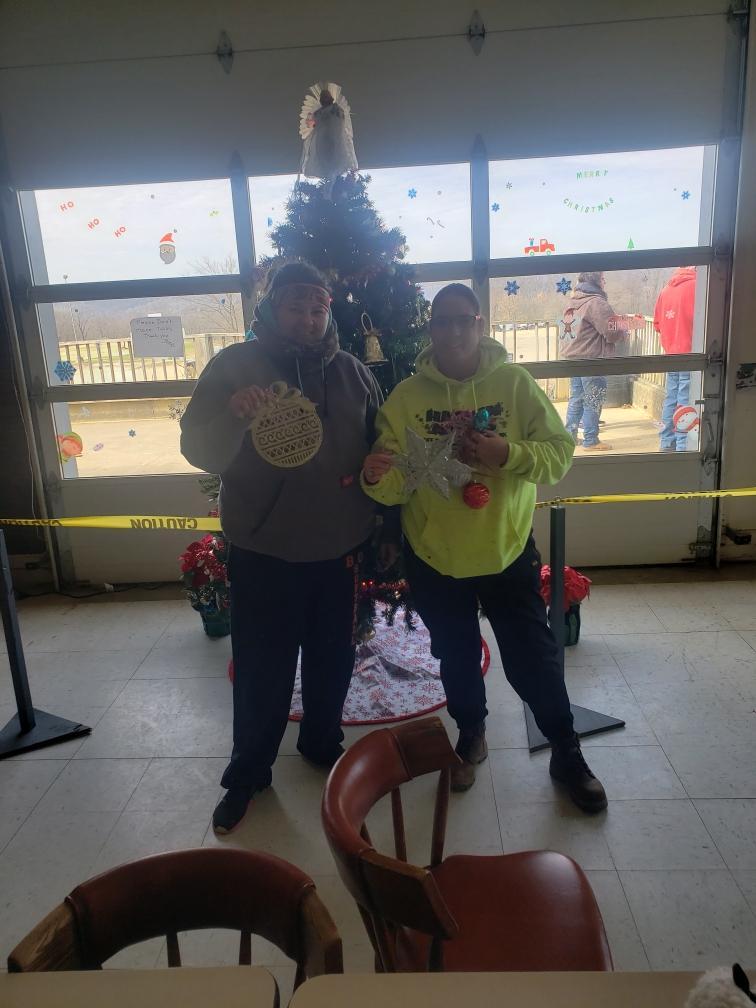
{"type": "Point", "coordinates": [205, 579]}
{"type": "Point", "coordinates": [576, 588]}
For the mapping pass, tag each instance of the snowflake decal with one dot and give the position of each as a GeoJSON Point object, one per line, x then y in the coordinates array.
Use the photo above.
{"type": "Point", "coordinates": [495, 207]}
{"type": "Point", "coordinates": [64, 370]}
{"type": "Point", "coordinates": [686, 195]}
{"type": "Point", "coordinates": [412, 193]}
{"type": "Point", "coordinates": [84, 412]}
{"type": "Point", "coordinates": [670, 313]}
{"type": "Point", "coordinates": [564, 286]}
{"type": "Point", "coordinates": [132, 433]}
{"type": "Point", "coordinates": [176, 411]}
{"type": "Point", "coordinates": [512, 287]}
{"type": "Point", "coordinates": [509, 185]}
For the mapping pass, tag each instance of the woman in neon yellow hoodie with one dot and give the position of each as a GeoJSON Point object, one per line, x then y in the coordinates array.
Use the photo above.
{"type": "Point", "coordinates": [458, 556]}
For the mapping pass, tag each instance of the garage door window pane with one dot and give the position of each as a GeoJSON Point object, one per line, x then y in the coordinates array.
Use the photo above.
{"type": "Point", "coordinates": [93, 342]}
{"type": "Point", "coordinates": [601, 202]}
{"type": "Point", "coordinates": [528, 314]}
{"type": "Point", "coordinates": [431, 205]}
{"type": "Point", "coordinates": [131, 437]}
{"type": "Point", "coordinates": [641, 413]}
{"type": "Point", "coordinates": [132, 232]}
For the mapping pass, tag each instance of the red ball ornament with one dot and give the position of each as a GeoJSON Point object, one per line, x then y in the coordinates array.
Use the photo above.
{"type": "Point", "coordinates": [476, 495]}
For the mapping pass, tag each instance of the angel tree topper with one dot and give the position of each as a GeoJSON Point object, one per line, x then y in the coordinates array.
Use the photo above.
{"type": "Point", "coordinates": [325, 125]}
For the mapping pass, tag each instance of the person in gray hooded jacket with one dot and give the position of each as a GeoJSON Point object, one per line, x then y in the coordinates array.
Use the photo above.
{"type": "Point", "coordinates": [296, 518]}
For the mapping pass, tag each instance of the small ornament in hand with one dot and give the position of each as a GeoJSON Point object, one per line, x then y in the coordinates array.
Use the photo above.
{"type": "Point", "coordinates": [476, 495]}
{"type": "Point", "coordinates": [484, 449]}
{"type": "Point", "coordinates": [248, 402]}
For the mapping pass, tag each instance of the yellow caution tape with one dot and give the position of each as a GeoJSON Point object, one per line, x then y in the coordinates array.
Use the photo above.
{"type": "Point", "coordinates": [173, 522]}
{"type": "Point", "coordinates": [180, 523]}
{"type": "Point", "coordinates": [644, 498]}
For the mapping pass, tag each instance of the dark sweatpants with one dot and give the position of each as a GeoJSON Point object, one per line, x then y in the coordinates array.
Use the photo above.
{"type": "Point", "coordinates": [512, 602]}
{"type": "Point", "coordinates": [276, 608]}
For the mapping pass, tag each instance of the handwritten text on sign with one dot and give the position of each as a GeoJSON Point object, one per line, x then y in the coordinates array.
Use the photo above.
{"type": "Point", "coordinates": [162, 336]}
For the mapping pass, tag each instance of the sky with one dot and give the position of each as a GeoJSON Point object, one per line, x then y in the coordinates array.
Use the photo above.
{"type": "Point", "coordinates": [650, 199]}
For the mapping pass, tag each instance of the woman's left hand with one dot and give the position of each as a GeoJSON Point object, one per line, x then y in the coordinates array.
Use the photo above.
{"type": "Point", "coordinates": [485, 449]}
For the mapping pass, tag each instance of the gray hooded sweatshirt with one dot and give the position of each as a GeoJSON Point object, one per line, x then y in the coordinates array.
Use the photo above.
{"type": "Point", "coordinates": [311, 513]}
{"type": "Point", "coordinates": [587, 325]}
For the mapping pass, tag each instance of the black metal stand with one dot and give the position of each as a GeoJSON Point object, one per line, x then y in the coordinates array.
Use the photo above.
{"type": "Point", "coordinates": [30, 728]}
{"type": "Point", "coordinates": [587, 722]}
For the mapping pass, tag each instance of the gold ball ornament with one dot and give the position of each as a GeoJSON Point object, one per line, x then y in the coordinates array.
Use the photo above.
{"type": "Point", "coordinates": [288, 432]}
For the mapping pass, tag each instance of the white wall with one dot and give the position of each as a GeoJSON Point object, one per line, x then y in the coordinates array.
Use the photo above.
{"type": "Point", "coordinates": [739, 463]}
{"type": "Point", "coordinates": [95, 92]}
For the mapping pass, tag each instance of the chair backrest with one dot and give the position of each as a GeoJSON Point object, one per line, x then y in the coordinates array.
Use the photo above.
{"type": "Point", "coordinates": [245, 891]}
{"type": "Point", "coordinates": [389, 891]}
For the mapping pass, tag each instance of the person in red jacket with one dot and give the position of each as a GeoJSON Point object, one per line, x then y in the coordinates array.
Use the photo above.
{"type": "Point", "coordinates": [673, 320]}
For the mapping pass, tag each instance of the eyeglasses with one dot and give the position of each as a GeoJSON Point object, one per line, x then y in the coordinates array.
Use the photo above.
{"type": "Point", "coordinates": [446, 323]}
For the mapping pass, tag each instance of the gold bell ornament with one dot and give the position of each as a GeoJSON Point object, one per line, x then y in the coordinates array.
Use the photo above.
{"type": "Point", "coordinates": [373, 351]}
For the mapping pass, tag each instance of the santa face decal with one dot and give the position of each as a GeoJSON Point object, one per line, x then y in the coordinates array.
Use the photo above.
{"type": "Point", "coordinates": [167, 248]}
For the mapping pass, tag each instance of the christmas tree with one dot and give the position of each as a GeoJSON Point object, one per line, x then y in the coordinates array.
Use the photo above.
{"type": "Point", "coordinates": [335, 226]}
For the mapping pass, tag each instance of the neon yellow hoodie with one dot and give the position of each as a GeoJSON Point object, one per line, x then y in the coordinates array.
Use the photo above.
{"type": "Point", "coordinates": [448, 535]}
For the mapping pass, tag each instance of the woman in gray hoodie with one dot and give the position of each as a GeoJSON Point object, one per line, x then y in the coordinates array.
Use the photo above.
{"type": "Point", "coordinates": [591, 329]}
{"type": "Point", "coordinates": [287, 419]}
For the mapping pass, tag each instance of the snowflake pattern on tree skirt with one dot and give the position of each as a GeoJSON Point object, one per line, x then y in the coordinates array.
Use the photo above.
{"type": "Point", "coordinates": [395, 677]}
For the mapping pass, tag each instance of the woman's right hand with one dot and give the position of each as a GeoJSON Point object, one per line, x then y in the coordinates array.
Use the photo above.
{"type": "Point", "coordinates": [247, 403]}
{"type": "Point", "coordinates": [376, 465]}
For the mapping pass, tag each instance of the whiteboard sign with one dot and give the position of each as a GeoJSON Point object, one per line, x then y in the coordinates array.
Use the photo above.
{"type": "Point", "coordinates": [160, 336]}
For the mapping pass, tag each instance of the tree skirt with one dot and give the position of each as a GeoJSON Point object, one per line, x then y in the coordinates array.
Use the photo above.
{"type": "Point", "coordinates": [395, 677]}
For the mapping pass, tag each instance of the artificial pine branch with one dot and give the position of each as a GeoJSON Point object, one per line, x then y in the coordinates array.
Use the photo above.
{"type": "Point", "coordinates": [337, 229]}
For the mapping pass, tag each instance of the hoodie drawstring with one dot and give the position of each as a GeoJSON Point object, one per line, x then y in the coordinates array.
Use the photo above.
{"type": "Point", "coordinates": [324, 379]}
{"type": "Point", "coordinates": [324, 376]}
{"type": "Point", "coordinates": [449, 396]}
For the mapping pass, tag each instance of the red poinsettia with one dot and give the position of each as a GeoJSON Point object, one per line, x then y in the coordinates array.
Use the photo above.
{"type": "Point", "coordinates": [576, 586]}
{"type": "Point", "coordinates": [204, 572]}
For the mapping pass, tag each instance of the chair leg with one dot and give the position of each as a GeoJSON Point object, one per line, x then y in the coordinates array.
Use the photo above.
{"type": "Point", "coordinates": [174, 953]}
{"type": "Point", "coordinates": [245, 949]}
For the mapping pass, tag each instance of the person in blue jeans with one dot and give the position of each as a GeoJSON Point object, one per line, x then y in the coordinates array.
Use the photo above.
{"type": "Point", "coordinates": [673, 320]}
{"type": "Point", "coordinates": [587, 397]}
{"type": "Point", "coordinates": [591, 329]}
{"type": "Point", "coordinates": [677, 394]}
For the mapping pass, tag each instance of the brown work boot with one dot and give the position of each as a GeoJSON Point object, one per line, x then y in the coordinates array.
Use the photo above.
{"type": "Point", "coordinates": [598, 447]}
{"type": "Point", "coordinates": [568, 766]}
{"type": "Point", "coordinates": [471, 749]}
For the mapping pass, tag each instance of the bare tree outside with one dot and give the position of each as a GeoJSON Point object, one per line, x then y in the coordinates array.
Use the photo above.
{"type": "Point", "coordinates": [222, 311]}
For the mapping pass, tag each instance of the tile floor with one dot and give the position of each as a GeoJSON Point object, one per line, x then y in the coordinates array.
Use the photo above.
{"type": "Point", "coordinates": [673, 861]}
